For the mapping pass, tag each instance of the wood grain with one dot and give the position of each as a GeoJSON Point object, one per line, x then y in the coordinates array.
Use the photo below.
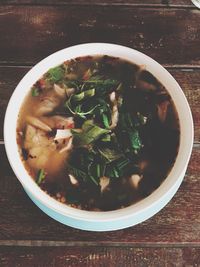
{"type": "Point", "coordinates": [94, 257]}
{"type": "Point", "coordinates": [178, 224]}
{"type": "Point", "coordinates": [188, 79]}
{"type": "Point", "coordinates": [29, 33]}
{"type": "Point", "coordinates": [173, 3]}
{"type": "Point", "coordinates": [168, 31]}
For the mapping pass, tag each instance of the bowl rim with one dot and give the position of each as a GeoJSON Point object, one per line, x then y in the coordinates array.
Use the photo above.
{"type": "Point", "coordinates": [182, 106]}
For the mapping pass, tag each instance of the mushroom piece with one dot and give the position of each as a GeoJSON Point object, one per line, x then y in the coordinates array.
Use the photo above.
{"type": "Point", "coordinates": [87, 74]}
{"type": "Point", "coordinates": [50, 101]}
{"type": "Point", "coordinates": [113, 97]}
{"type": "Point", "coordinates": [143, 164]}
{"type": "Point", "coordinates": [71, 76]}
{"type": "Point", "coordinates": [38, 123]}
{"type": "Point", "coordinates": [62, 134]}
{"type": "Point", "coordinates": [67, 147]}
{"type": "Point", "coordinates": [116, 102]}
{"type": "Point", "coordinates": [145, 86]}
{"type": "Point", "coordinates": [104, 183]}
{"type": "Point", "coordinates": [59, 122]}
{"type": "Point", "coordinates": [59, 90]}
{"type": "Point", "coordinates": [46, 105]}
{"type": "Point", "coordinates": [162, 110]}
{"type": "Point", "coordinates": [134, 180]}
{"type": "Point", "coordinates": [69, 91]}
{"type": "Point", "coordinates": [73, 180]}
{"type": "Point", "coordinates": [42, 151]}
{"type": "Point", "coordinates": [114, 116]}
{"type": "Point", "coordinates": [115, 112]}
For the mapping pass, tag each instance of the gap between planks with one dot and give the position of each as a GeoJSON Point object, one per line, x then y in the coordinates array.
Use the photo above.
{"type": "Point", "coordinates": [183, 67]}
{"type": "Point", "coordinates": [104, 4]}
{"type": "Point", "coordinates": [44, 243]}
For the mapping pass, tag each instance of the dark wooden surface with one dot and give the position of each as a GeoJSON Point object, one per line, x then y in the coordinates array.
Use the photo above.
{"type": "Point", "coordinates": [105, 257]}
{"type": "Point", "coordinates": [168, 31]}
{"type": "Point", "coordinates": [169, 35]}
{"type": "Point", "coordinates": [157, 3]}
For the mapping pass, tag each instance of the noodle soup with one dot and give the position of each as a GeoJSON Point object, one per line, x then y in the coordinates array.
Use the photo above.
{"type": "Point", "coordinates": [98, 133]}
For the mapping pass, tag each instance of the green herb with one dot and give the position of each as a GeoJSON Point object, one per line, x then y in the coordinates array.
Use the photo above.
{"type": "Point", "coordinates": [121, 164]}
{"type": "Point", "coordinates": [142, 119]}
{"type": "Point", "coordinates": [105, 120]}
{"type": "Point", "coordinates": [35, 91]}
{"type": "Point", "coordinates": [95, 88]}
{"type": "Point", "coordinates": [106, 138]}
{"type": "Point", "coordinates": [40, 176]}
{"type": "Point", "coordinates": [98, 150]}
{"type": "Point", "coordinates": [117, 168]}
{"type": "Point", "coordinates": [110, 154]}
{"type": "Point", "coordinates": [90, 133]}
{"type": "Point", "coordinates": [79, 174]}
{"type": "Point", "coordinates": [73, 84]}
{"type": "Point", "coordinates": [103, 112]}
{"type": "Point", "coordinates": [112, 172]}
{"type": "Point", "coordinates": [86, 165]}
{"type": "Point", "coordinates": [77, 109]}
{"type": "Point", "coordinates": [102, 86]}
{"type": "Point", "coordinates": [135, 140]}
{"type": "Point", "coordinates": [96, 170]}
{"type": "Point", "coordinates": [93, 180]}
{"type": "Point", "coordinates": [83, 95]}
{"type": "Point", "coordinates": [55, 74]}
{"type": "Point", "coordinates": [87, 125]}
{"type": "Point", "coordinates": [130, 125]}
{"type": "Point", "coordinates": [98, 80]}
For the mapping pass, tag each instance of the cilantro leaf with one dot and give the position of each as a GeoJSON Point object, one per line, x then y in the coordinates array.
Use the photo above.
{"type": "Point", "coordinates": [55, 74]}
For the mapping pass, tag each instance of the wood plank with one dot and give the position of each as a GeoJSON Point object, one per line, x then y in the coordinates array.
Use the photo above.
{"type": "Point", "coordinates": [94, 257]}
{"type": "Point", "coordinates": [30, 33]}
{"type": "Point", "coordinates": [9, 78]}
{"type": "Point", "coordinates": [178, 224]}
{"type": "Point", "coordinates": [104, 2]}
{"type": "Point", "coordinates": [189, 80]}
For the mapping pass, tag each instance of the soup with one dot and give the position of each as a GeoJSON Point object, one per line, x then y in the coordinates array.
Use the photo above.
{"type": "Point", "coordinates": [98, 133]}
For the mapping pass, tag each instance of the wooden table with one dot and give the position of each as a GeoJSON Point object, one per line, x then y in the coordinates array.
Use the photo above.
{"type": "Point", "coordinates": [168, 31]}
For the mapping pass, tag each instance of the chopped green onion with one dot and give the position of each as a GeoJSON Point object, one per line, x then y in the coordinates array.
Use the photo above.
{"type": "Point", "coordinates": [35, 91]}
{"type": "Point", "coordinates": [98, 170]}
{"type": "Point", "coordinates": [105, 120]}
{"type": "Point", "coordinates": [94, 180]}
{"type": "Point", "coordinates": [40, 176]}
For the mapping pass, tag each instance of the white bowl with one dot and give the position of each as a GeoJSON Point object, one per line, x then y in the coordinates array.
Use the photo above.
{"type": "Point", "coordinates": [92, 220]}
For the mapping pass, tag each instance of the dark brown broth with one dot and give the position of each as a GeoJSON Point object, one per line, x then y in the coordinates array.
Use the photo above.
{"type": "Point", "coordinates": [143, 94]}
